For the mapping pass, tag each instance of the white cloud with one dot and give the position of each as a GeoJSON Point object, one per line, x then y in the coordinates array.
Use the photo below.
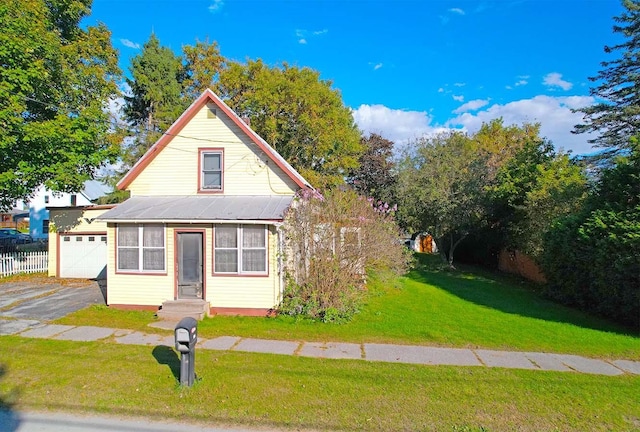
{"type": "Point", "coordinates": [458, 98]}
{"type": "Point", "coordinates": [553, 113]}
{"type": "Point", "coordinates": [460, 84]}
{"type": "Point", "coordinates": [303, 35]}
{"type": "Point", "coordinates": [130, 44]}
{"type": "Point", "coordinates": [399, 126]}
{"type": "Point", "coordinates": [456, 11]}
{"type": "Point", "coordinates": [554, 79]}
{"type": "Point", "coordinates": [378, 66]}
{"type": "Point", "coordinates": [440, 90]}
{"type": "Point", "coordinates": [471, 106]}
{"type": "Point", "coordinates": [216, 6]}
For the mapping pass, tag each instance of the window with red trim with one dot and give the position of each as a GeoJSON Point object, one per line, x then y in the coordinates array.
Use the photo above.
{"type": "Point", "coordinates": [211, 170]}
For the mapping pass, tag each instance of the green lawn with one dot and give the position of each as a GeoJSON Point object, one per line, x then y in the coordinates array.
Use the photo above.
{"type": "Point", "coordinates": [428, 307]}
{"type": "Point", "coordinates": [299, 393]}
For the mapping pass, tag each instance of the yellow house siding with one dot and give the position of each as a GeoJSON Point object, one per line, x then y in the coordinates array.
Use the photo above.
{"type": "Point", "coordinates": [246, 170]}
{"type": "Point", "coordinates": [220, 291]}
{"type": "Point", "coordinates": [145, 289]}
{"type": "Point", "coordinates": [75, 220]}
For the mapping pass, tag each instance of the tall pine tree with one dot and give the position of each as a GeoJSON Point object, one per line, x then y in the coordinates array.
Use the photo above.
{"type": "Point", "coordinates": [155, 101]}
{"type": "Point", "coordinates": [616, 115]}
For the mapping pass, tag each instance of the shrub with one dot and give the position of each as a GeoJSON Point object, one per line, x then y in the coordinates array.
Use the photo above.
{"type": "Point", "coordinates": [592, 259]}
{"type": "Point", "coordinates": [332, 241]}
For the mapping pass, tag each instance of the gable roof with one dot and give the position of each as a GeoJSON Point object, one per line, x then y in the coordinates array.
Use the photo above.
{"type": "Point", "coordinates": [206, 97]}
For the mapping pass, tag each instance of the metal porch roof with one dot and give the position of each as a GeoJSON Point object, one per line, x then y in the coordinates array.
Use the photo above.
{"type": "Point", "coordinates": [199, 208]}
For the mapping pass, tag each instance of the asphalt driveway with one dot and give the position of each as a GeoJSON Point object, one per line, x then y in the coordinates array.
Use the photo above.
{"type": "Point", "coordinates": [46, 299]}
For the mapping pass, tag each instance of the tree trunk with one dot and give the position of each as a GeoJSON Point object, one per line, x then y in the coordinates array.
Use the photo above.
{"type": "Point", "coordinates": [453, 247]}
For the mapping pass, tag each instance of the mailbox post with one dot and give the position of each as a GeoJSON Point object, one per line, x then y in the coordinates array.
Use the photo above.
{"type": "Point", "coordinates": [186, 336]}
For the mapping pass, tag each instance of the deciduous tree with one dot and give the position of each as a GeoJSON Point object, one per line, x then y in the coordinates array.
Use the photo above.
{"type": "Point", "coordinates": [299, 114]}
{"type": "Point", "coordinates": [375, 176]}
{"type": "Point", "coordinates": [56, 79]}
{"type": "Point", "coordinates": [441, 189]}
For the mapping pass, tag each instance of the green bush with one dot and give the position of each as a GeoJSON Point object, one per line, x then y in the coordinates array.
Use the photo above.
{"type": "Point", "coordinates": [592, 259]}
{"type": "Point", "coordinates": [332, 241]}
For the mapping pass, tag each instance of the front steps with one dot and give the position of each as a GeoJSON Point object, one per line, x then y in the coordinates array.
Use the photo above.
{"type": "Point", "coordinates": [175, 310]}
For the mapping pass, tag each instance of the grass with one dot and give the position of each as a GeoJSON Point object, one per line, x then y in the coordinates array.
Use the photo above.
{"type": "Point", "coordinates": [430, 306]}
{"type": "Point", "coordinates": [298, 393]}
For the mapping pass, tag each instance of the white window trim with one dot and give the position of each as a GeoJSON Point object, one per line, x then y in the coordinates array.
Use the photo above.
{"type": "Point", "coordinates": [240, 249]}
{"type": "Point", "coordinates": [141, 249]}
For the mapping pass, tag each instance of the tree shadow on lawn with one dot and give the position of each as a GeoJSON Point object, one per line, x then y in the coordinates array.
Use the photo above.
{"type": "Point", "coordinates": [507, 294]}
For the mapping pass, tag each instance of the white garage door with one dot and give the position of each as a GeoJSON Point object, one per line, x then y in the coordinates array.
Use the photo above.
{"type": "Point", "coordinates": [83, 256]}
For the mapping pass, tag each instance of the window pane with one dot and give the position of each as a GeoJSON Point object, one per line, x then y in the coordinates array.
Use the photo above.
{"type": "Point", "coordinates": [128, 235]}
{"type": "Point", "coordinates": [153, 259]}
{"type": "Point", "coordinates": [212, 180]}
{"type": "Point", "coordinates": [253, 236]}
{"type": "Point", "coordinates": [226, 261]}
{"type": "Point", "coordinates": [153, 235]}
{"type": "Point", "coordinates": [211, 161]}
{"type": "Point", "coordinates": [127, 258]}
{"type": "Point", "coordinates": [254, 261]}
{"type": "Point", "coordinates": [226, 236]}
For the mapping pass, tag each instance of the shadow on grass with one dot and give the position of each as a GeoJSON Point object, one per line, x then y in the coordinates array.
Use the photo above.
{"type": "Point", "coordinates": [9, 419]}
{"type": "Point", "coordinates": [167, 356]}
{"type": "Point", "coordinates": [506, 294]}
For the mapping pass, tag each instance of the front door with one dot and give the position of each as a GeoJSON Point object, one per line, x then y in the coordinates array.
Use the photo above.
{"type": "Point", "coordinates": [189, 262]}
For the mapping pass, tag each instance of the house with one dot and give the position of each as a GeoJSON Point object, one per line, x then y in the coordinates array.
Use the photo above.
{"type": "Point", "coordinates": [43, 199]}
{"type": "Point", "coordinates": [13, 218]}
{"type": "Point", "coordinates": [202, 223]}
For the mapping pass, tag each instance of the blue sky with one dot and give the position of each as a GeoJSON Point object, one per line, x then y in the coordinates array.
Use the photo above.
{"type": "Point", "coordinates": [408, 67]}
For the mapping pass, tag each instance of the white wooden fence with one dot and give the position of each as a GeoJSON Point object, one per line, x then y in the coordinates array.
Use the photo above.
{"type": "Point", "coordinates": [23, 262]}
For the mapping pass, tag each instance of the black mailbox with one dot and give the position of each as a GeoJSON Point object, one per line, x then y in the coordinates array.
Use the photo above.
{"type": "Point", "coordinates": [186, 337]}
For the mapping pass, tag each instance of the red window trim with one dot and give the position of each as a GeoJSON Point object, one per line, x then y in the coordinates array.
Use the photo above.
{"type": "Point", "coordinates": [202, 150]}
{"type": "Point", "coordinates": [141, 272]}
{"type": "Point", "coordinates": [239, 273]}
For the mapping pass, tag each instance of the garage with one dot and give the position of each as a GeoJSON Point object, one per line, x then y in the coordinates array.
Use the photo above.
{"type": "Point", "coordinates": [83, 256]}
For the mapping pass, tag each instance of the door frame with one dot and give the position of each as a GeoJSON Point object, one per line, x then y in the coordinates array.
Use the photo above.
{"type": "Point", "coordinates": [176, 259]}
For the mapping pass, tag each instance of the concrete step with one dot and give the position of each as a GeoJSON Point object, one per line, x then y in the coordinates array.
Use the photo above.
{"type": "Point", "coordinates": [178, 309]}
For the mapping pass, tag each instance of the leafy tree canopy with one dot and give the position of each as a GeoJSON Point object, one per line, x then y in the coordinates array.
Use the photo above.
{"type": "Point", "coordinates": [375, 176]}
{"type": "Point", "coordinates": [616, 113]}
{"type": "Point", "coordinates": [531, 190]}
{"type": "Point", "coordinates": [299, 114]}
{"type": "Point", "coordinates": [55, 82]}
{"type": "Point", "coordinates": [441, 185]}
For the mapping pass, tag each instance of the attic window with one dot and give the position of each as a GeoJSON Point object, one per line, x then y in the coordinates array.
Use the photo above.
{"type": "Point", "coordinates": [211, 111]}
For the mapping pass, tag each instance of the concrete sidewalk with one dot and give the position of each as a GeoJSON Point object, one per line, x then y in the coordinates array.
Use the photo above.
{"type": "Point", "coordinates": [335, 350]}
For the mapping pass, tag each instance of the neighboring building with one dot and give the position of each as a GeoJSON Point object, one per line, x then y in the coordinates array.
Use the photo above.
{"type": "Point", "coordinates": [44, 199]}
{"type": "Point", "coordinates": [14, 218]}
{"type": "Point", "coordinates": [79, 247]}
{"type": "Point", "coordinates": [203, 220]}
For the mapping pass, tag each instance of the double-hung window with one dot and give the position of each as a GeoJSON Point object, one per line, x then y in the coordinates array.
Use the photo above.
{"type": "Point", "coordinates": [240, 249]}
{"type": "Point", "coordinates": [141, 248]}
{"type": "Point", "coordinates": [211, 162]}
